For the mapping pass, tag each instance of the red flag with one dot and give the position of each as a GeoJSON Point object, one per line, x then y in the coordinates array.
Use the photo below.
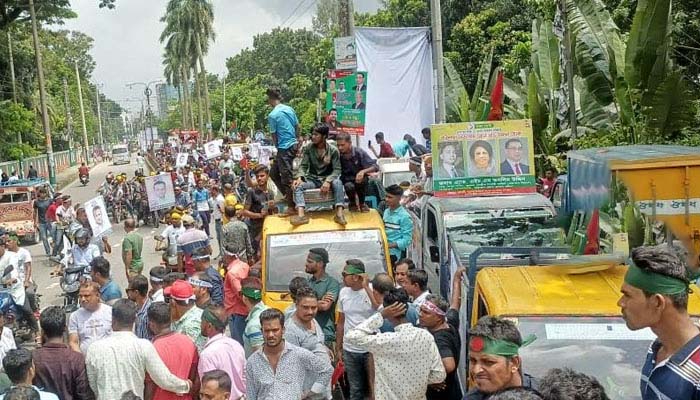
{"type": "Point", "coordinates": [593, 234]}
{"type": "Point", "coordinates": [496, 113]}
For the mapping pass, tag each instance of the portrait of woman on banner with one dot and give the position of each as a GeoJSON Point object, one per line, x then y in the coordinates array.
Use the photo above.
{"type": "Point", "coordinates": [481, 159]}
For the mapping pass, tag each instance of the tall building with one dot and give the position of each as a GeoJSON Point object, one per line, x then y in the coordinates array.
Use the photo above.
{"type": "Point", "coordinates": [166, 94]}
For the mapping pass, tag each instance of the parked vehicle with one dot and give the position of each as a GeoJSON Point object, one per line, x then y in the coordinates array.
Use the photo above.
{"type": "Point", "coordinates": [17, 211]}
{"type": "Point", "coordinates": [121, 154]}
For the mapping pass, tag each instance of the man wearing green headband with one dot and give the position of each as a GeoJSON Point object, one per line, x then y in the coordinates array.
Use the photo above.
{"type": "Point", "coordinates": [327, 290]}
{"type": "Point", "coordinates": [221, 352]}
{"type": "Point", "coordinates": [655, 295]}
{"type": "Point", "coordinates": [494, 363]}
{"type": "Point", "coordinates": [251, 293]}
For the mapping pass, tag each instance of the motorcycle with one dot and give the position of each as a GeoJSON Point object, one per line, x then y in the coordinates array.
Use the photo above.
{"type": "Point", "coordinates": [71, 278]}
{"type": "Point", "coordinates": [19, 326]}
{"type": "Point", "coordinates": [84, 180]}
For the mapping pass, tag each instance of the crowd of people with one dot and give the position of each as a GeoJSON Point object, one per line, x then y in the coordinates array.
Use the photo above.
{"type": "Point", "coordinates": [197, 325]}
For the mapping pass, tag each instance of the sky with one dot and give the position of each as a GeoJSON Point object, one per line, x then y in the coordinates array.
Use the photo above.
{"type": "Point", "coordinates": [126, 47]}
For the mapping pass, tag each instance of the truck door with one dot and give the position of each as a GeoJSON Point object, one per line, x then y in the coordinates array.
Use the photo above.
{"type": "Point", "coordinates": [431, 248]}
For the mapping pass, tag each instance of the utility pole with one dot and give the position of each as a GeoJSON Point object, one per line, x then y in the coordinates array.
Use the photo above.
{"type": "Point", "coordinates": [69, 117]}
{"type": "Point", "coordinates": [45, 123]}
{"type": "Point", "coordinates": [569, 73]}
{"type": "Point", "coordinates": [436, 18]}
{"type": "Point", "coordinates": [147, 92]}
{"type": "Point", "coordinates": [86, 154]}
{"type": "Point", "coordinates": [14, 79]}
{"type": "Point", "coordinates": [99, 116]}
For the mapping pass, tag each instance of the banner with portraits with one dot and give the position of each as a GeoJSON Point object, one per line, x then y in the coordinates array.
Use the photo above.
{"type": "Point", "coordinates": [98, 217]}
{"type": "Point", "coordinates": [346, 102]}
{"type": "Point", "coordinates": [484, 158]}
{"type": "Point", "coordinates": [160, 192]}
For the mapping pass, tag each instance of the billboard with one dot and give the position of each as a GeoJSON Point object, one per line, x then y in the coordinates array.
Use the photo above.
{"type": "Point", "coordinates": [485, 158]}
{"type": "Point", "coordinates": [345, 53]}
{"type": "Point", "coordinates": [346, 102]}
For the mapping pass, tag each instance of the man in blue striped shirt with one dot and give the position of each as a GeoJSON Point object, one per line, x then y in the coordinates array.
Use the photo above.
{"type": "Point", "coordinates": [397, 223]}
{"type": "Point", "coordinates": [137, 291]}
{"type": "Point", "coordinates": [655, 295]}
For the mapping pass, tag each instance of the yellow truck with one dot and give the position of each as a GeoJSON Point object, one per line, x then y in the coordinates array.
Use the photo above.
{"type": "Point", "coordinates": [285, 247]}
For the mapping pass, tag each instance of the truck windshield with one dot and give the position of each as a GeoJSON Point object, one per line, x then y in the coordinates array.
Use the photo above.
{"type": "Point", "coordinates": [119, 150]}
{"type": "Point", "coordinates": [395, 178]}
{"type": "Point", "coordinates": [598, 346]}
{"type": "Point", "coordinates": [503, 228]}
{"type": "Point", "coordinates": [286, 254]}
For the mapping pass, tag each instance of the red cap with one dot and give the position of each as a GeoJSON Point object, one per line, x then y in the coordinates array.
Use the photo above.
{"type": "Point", "coordinates": [180, 290]}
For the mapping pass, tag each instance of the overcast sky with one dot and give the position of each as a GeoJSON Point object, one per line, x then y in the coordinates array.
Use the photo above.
{"type": "Point", "coordinates": [126, 47]}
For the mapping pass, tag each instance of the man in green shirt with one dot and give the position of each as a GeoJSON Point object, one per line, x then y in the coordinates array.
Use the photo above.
{"type": "Point", "coordinates": [132, 245]}
{"type": "Point", "coordinates": [327, 290]}
{"type": "Point", "coordinates": [251, 293]}
{"type": "Point", "coordinates": [186, 316]}
{"type": "Point", "coordinates": [320, 168]}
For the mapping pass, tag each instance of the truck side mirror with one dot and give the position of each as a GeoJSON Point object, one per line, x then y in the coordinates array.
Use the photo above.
{"type": "Point", "coordinates": [434, 254]}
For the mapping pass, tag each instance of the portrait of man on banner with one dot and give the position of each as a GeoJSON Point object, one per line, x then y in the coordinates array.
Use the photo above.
{"type": "Point", "coordinates": [181, 159]}
{"type": "Point", "coordinates": [514, 153]}
{"type": "Point", "coordinates": [451, 160]}
{"type": "Point", "coordinates": [212, 149]}
{"type": "Point", "coordinates": [98, 217]}
{"type": "Point", "coordinates": [160, 192]}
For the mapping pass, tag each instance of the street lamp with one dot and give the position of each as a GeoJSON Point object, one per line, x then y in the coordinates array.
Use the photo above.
{"type": "Point", "coordinates": [149, 114]}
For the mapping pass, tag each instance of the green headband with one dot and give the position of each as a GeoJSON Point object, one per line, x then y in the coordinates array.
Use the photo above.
{"type": "Point", "coordinates": [208, 316]}
{"type": "Point", "coordinates": [251, 293]}
{"type": "Point", "coordinates": [497, 347]}
{"type": "Point", "coordinates": [653, 282]}
{"type": "Point", "coordinates": [352, 270]}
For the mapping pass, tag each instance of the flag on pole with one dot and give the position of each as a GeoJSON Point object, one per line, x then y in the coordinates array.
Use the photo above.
{"type": "Point", "coordinates": [496, 113]}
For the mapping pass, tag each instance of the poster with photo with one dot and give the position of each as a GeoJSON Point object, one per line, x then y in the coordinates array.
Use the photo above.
{"type": "Point", "coordinates": [265, 155]}
{"type": "Point", "coordinates": [254, 150]}
{"type": "Point", "coordinates": [159, 189]}
{"type": "Point", "coordinates": [483, 158]}
{"type": "Point", "coordinates": [98, 217]}
{"type": "Point", "coordinates": [236, 153]}
{"type": "Point", "coordinates": [181, 160]}
{"type": "Point", "coordinates": [345, 52]}
{"type": "Point", "coordinates": [346, 102]}
{"type": "Point", "coordinates": [213, 149]}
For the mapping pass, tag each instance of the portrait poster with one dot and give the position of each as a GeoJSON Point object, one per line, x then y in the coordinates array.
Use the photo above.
{"type": "Point", "coordinates": [254, 150]}
{"type": "Point", "coordinates": [265, 155]}
{"type": "Point", "coordinates": [345, 52]}
{"type": "Point", "coordinates": [486, 158]}
{"type": "Point", "coordinates": [181, 160]}
{"type": "Point", "coordinates": [236, 153]}
{"type": "Point", "coordinates": [213, 149]}
{"type": "Point", "coordinates": [346, 102]}
{"type": "Point", "coordinates": [159, 190]}
{"type": "Point", "coordinates": [173, 141]}
{"type": "Point", "coordinates": [98, 217]}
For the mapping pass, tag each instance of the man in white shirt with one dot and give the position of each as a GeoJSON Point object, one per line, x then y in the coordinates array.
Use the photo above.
{"type": "Point", "coordinates": [407, 360]}
{"type": "Point", "coordinates": [355, 304]}
{"type": "Point", "coordinates": [24, 264]}
{"type": "Point", "coordinates": [217, 214]}
{"type": "Point", "coordinates": [9, 269]}
{"type": "Point", "coordinates": [168, 239]}
{"type": "Point", "coordinates": [7, 339]}
{"type": "Point", "coordinates": [417, 286]}
{"type": "Point", "coordinates": [92, 321]}
{"type": "Point", "coordinates": [119, 362]}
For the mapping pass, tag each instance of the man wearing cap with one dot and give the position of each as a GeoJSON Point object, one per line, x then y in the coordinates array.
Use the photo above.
{"type": "Point", "coordinates": [188, 242]}
{"type": "Point", "coordinates": [398, 224]}
{"type": "Point", "coordinates": [167, 240]}
{"type": "Point", "coordinates": [236, 271]}
{"type": "Point", "coordinates": [156, 278]}
{"type": "Point", "coordinates": [187, 317]}
{"type": "Point", "coordinates": [132, 246]}
{"type": "Point", "coordinates": [251, 292]}
{"type": "Point", "coordinates": [355, 304]}
{"type": "Point", "coordinates": [320, 168]}
{"type": "Point", "coordinates": [236, 235]}
{"type": "Point", "coordinates": [327, 290]}
{"type": "Point", "coordinates": [655, 295]}
{"type": "Point", "coordinates": [494, 363]}
{"type": "Point", "coordinates": [221, 352]}
{"type": "Point", "coordinates": [408, 352]}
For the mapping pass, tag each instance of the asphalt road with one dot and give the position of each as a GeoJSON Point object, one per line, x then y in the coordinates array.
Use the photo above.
{"type": "Point", "coordinates": [48, 286]}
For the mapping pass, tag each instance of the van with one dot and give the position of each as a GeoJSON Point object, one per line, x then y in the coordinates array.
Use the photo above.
{"type": "Point", "coordinates": [121, 154]}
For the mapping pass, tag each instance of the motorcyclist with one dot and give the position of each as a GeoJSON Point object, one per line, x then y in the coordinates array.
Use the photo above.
{"type": "Point", "coordinates": [84, 171]}
{"type": "Point", "coordinates": [107, 186]}
{"type": "Point", "coordinates": [82, 222]}
{"type": "Point", "coordinates": [167, 240]}
{"type": "Point", "coordinates": [83, 252]}
{"type": "Point", "coordinates": [12, 284]}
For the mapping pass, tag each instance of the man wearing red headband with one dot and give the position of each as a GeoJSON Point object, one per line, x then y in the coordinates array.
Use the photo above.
{"type": "Point", "coordinates": [494, 363]}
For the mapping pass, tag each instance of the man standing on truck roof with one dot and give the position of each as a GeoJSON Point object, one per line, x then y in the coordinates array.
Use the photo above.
{"type": "Point", "coordinates": [327, 290]}
{"type": "Point", "coordinates": [397, 223]}
{"type": "Point", "coordinates": [655, 295]}
{"type": "Point", "coordinates": [494, 363]}
{"type": "Point", "coordinates": [285, 129]}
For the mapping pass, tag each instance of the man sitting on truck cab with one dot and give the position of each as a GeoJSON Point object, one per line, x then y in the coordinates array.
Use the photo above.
{"type": "Point", "coordinates": [494, 363]}
{"type": "Point", "coordinates": [320, 168]}
{"type": "Point", "coordinates": [397, 223]}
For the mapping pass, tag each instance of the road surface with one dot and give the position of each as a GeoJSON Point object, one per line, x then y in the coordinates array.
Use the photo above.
{"type": "Point", "coordinates": [48, 286]}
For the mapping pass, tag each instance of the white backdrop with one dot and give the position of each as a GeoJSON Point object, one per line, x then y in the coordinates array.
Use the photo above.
{"type": "Point", "coordinates": [399, 65]}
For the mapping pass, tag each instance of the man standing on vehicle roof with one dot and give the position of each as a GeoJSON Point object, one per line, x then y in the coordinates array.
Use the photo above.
{"type": "Point", "coordinates": [320, 168]}
{"type": "Point", "coordinates": [285, 129]}
{"type": "Point", "coordinates": [327, 290]}
{"type": "Point", "coordinates": [655, 295]}
{"type": "Point", "coordinates": [494, 363]}
{"type": "Point", "coordinates": [398, 224]}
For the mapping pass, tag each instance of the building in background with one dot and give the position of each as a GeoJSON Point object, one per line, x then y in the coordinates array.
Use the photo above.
{"type": "Point", "coordinates": [166, 96]}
